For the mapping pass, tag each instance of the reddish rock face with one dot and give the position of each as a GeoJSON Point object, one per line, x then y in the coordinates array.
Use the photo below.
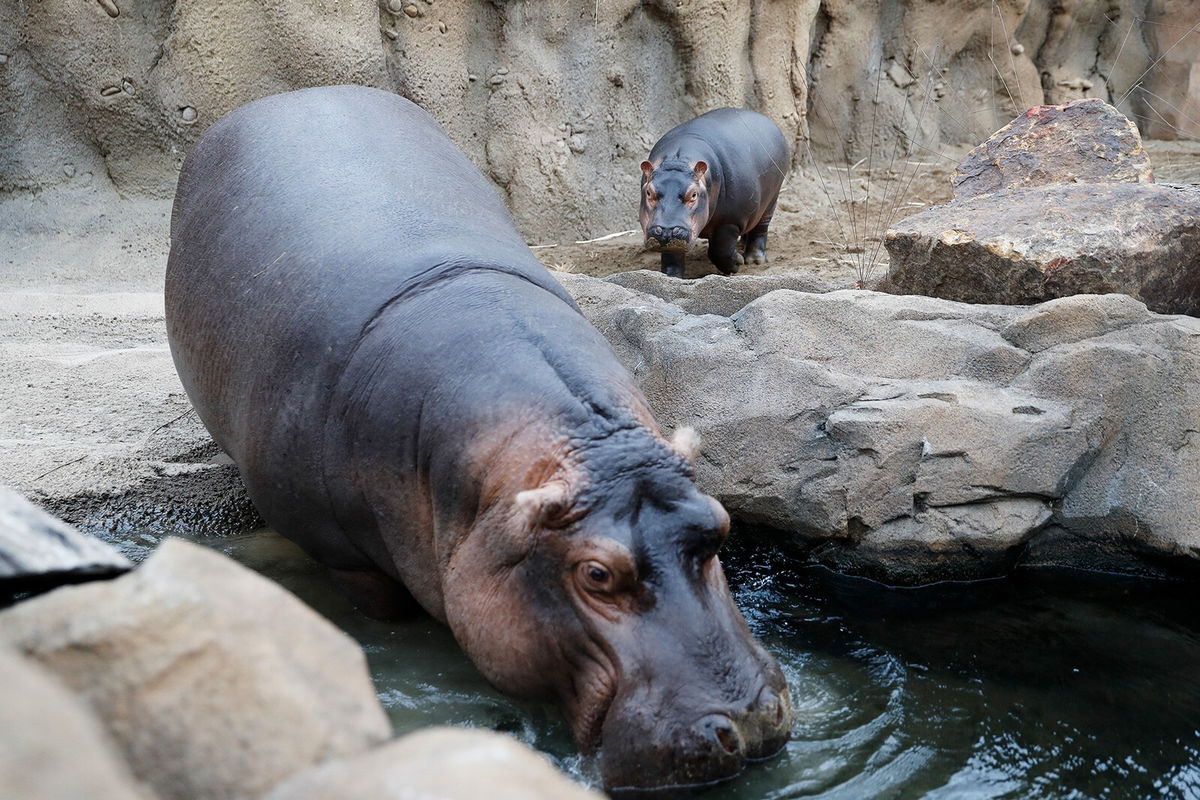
{"type": "Point", "coordinates": [1085, 141]}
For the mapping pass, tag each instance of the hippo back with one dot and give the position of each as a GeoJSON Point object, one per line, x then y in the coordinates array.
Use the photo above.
{"type": "Point", "coordinates": [298, 219]}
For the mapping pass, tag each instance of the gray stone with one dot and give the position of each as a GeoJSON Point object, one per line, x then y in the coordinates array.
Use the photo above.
{"type": "Point", "coordinates": [213, 681]}
{"type": "Point", "coordinates": [37, 550]}
{"type": "Point", "coordinates": [441, 764]}
{"type": "Point", "coordinates": [915, 439]}
{"type": "Point", "coordinates": [1033, 244]}
{"type": "Point", "coordinates": [719, 294]}
{"type": "Point", "coordinates": [51, 747]}
{"type": "Point", "coordinates": [1084, 141]}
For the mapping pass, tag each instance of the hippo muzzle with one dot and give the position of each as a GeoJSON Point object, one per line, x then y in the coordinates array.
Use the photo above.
{"type": "Point", "coordinates": [706, 699]}
{"type": "Point", "coordinates": [674, 239]}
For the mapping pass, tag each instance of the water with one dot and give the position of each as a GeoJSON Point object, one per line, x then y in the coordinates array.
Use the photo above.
{"type": "Point", "coordinates": [1045, 685]}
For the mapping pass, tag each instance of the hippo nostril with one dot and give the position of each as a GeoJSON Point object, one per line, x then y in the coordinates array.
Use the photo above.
{"type": "Point", "coordinates": [720, 729]}
{"type": "Point", "coordinates": [727, 739]}
{"type": "Point", "coordinates": [679, 232]}
{"type": "Point", "coordinates": [656, 232]}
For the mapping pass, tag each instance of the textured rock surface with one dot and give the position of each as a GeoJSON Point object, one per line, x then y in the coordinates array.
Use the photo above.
{"type": "Point", "coordinates": [558, 100]}
{"type": "Point", "coordinates": [1084, 141]}
{"type": "Point", "coordinates": [51, 747]}
{"type": "Point", "coordinates": [37, 549]}
{"type": "Point", "coordinates": [213, 681]}
{"type": "Point", "coordinates": [913, 439]}
{"type": "Point", "coordinates": [1032, 244]}
{"type": "Point", "coordinates": [442, 763]}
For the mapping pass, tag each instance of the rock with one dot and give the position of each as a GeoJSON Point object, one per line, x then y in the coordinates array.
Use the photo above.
{"type": "Point", "coordinates": [442, 763]}
{"type": "Point", "coordinates": [51, 747]}
{"type": "Point", "coordinates": [672, 61]}
{"type": "Point", "coordinates": [913, 439]}
{"type": "Point", "coordinates": [1084, 141]}
{"type": "Point", "coordinates": [1033, 244]}
{"type": "Point", "coordinates": [720, 294]}
{"type": "Point", "coordinates": [213, 681]}
{"type": "Point", "coordinates": [39, 551]}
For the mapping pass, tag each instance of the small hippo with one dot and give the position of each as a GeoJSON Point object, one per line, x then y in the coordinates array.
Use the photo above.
{"type": "Point", "coordinates": [714, 177]}
{"type": "Point", "coordinates": [413, 398]}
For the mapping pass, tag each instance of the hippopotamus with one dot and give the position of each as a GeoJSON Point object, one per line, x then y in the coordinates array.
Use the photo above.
{"type": "Point", "coordinates": [715, 177]}
{"type": "Point", "coordinates": [412, 397]}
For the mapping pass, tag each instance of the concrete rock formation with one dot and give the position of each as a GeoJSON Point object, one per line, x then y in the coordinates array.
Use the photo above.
{"type": "Point", "coordinates": [39, 551]}
{"type": "Point", "coordinates": [914, 439]}
{"type": "Point", "coordinates": [1027, 245]}
{"type": "Point", "coordinates": [1084, 141]}
{"type": "Point", "coordinates": [552, 98]}
{"type": "Point", "coordinates": [213, 681]}
{"type": "Point", "coordinates": [51, 747]}
{"type": "Point", "coordinates": [442, 763]}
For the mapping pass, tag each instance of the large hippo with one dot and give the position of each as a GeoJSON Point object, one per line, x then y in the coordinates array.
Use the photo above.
{"type": "Point", "coordinates": [714, 177]}
{"type": "Point", "coordinates": [411, 397]}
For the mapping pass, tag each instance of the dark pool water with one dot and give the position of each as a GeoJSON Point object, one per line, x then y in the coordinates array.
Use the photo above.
{"type": "Point", "coordinates": [1044, 685]}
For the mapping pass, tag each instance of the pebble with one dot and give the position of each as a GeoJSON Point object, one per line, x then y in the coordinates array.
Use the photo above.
{"type": "Point", "coordinates": [110, 8]}
{"type": "Point", "coordinates": [442, 27]}
{"type": "Point", "coordinates": [472, 77]}
{"type": "Point", "coordinates": [389, 33]}
{"type": "Point", "coordinates": [109, 91]}
{"type": "Point", "coordinates": [502, 71]}
{"type": "Point", "coordinates": [412, 11]}
{"type": "Point", "coordinates": [3, 58]}
{"type": "Point", "coordinates": [127, 87]}
{"type": "Point", "coordinates": [69, 170]}
{"type": "Point", "coordinates": [1018, 48]}
{"type": "Point", "coordinates": [496, 80]}
{"type": "Point", "coordinates": [187, 114]}
{"type": "Point", "coordinates": [395, 6]}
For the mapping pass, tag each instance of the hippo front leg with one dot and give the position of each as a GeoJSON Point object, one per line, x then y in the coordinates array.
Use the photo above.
{"type": "Point", "coordinates": [756, 240]}
{"type": "Point", "coordinates": [672, 264]}
{"type": "Point", "coordinates": [722, 249]}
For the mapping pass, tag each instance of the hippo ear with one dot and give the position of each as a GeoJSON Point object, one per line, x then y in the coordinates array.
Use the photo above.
{"type": "Point", "coordinates": [647, 168]}
{"type": "Point", "coordinates": [544, 504]}
{"type": "Point", "coordinates": [685, 443]}
{"type": "Point", "coordinates": [701, 169]}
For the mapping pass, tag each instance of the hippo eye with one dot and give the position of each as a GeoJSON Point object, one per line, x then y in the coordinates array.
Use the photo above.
{"type": "Point", "coordinates": [596, 576]}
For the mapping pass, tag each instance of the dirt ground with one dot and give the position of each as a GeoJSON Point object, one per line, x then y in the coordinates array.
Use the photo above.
{"type": "Point", "coordinates": [831, 221]}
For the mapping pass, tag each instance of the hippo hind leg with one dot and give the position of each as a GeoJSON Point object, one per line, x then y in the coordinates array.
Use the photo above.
{"type": "Point", "coordinates": [672, 264]}
{"type": "Point", "coordinates": [375, 594]}
{"type": "Point", "coordinates": [722, 249]}
{"type": "Point", "coordinates": [755, 241]}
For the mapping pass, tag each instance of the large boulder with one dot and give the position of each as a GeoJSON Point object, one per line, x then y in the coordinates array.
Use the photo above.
{"type": "Point", "coordinates": [40, 551]}
{"type": "Point", "coordinates": [51, 747]}
{"type": "Point", "coordinates": [914, 439]}
{"type": "Point", "coordinates": [442, 763]}
{"type": "Point", "coordinates": [1028, 245]}
{"type": "Point", "coordinates": [1084, 141]}
{"type": "Point", "coordinates": [213, 681]}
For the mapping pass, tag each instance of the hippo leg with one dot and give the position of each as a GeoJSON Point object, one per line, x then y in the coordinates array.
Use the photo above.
{"type": "Point", "coordinates": [375, 594]}
{"type": "Point", "coordinates": [756, 240]}
{"type": "Point", "coordinates": [672, 264]}
{"type": "Point", "coordinates": [722, 249]}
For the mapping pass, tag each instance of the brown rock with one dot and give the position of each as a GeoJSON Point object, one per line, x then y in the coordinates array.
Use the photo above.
{"type": "Point", "coordinates": [1033, 244]}
{"type": "Point", "coordinates": [51, 747]}
{"type": "Point", "coordinates": [213, 681]}
{"type": "Point", "coordinates": [442, 763]}
{"type": "Point", "coordinates": [1084, 141]}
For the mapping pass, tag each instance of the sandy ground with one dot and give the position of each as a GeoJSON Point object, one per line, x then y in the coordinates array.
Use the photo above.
{"type": "Point", "coordinates": [94, 423]}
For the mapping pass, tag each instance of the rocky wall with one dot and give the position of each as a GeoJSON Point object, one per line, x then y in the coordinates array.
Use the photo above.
{"type": "Point", "coordinates": [558, 100]}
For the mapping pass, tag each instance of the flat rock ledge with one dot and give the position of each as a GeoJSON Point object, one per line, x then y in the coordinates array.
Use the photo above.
{"type": "Point", "coordinates": [913, 439]}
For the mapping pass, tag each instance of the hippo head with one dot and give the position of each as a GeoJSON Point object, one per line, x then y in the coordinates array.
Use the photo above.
{"type": "Point", "coordinates": [675, 203]}
{"type": "Point", "coordinates": [617, 607]}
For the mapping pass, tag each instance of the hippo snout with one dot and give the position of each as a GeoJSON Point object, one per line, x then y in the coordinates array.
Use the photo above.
{"type": "Point", "coordinates": [674, 238]}
{"type": "Point", "coordinates": [712, 748]}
